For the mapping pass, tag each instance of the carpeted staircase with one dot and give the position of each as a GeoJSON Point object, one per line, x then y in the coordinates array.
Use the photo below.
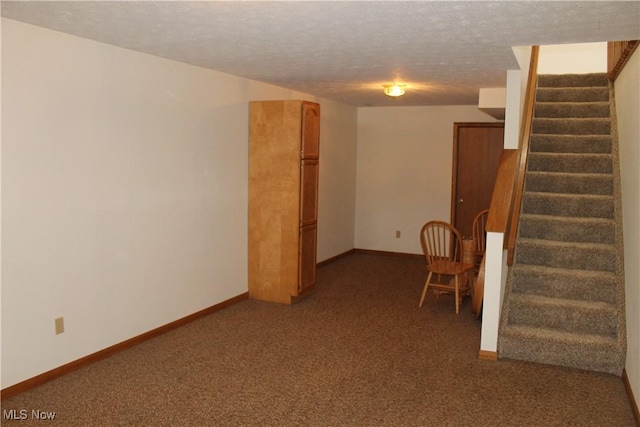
{"type": "Point", "coordinates": [564, 299]}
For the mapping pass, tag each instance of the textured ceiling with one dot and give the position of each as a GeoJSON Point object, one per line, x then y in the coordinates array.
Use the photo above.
{"type": "Point", "coordinates": [445, 51]}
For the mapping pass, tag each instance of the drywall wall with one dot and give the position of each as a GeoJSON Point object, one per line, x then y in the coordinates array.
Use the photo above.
{"type": "Point", "coordinates": [404, 172]}
{"type": "Point", "coordinates": [512, 117]}
{"type": "Point", "coordinates": [580, 58]}
{"type": "Point", "coordinates": [124, 192]}
{"type": "Point", "coordinates": [337, 197]}
{"type": "Point", "coordinates": [515, 97]}
{"type": "Point", "coordinates": [627, 100]}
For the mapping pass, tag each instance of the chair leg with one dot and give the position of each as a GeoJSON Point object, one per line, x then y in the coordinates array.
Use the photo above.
{"type": "Point", "coordinates": [457, 282]}
{"type": "Point", "coordinates": [426, 287]}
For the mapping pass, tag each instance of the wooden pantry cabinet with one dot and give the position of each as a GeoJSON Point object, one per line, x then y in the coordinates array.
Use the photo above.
{"type": "Point", "coordinates": [283, 199]}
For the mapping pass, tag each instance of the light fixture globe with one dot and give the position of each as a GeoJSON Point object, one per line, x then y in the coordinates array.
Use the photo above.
{"type": "Point", "coordinates": [394, 90]}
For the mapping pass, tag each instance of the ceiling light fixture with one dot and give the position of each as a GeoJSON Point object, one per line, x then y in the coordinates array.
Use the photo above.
{"type": "Point", "coordinates": [394, 90]}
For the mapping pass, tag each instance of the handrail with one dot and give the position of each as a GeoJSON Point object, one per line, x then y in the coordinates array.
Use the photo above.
{"type": "Point", "coordinates": [617, 55]}
{"type": "Point", "coordinates": [501, 199]}
{"type": "Point", "coordinates": [525, 135]}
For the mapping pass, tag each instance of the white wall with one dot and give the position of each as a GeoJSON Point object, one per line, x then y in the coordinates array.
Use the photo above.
{"type": "Point", "coordinates": [337, 197]}
{"type": "Point", "coordinates": [495, 260]}
{"type": "Point", "coordinates": [512, 117]}
{"type": "Point", "coordinates": [627, 99]}
{"type": "Point", "coordinates": [580, 58]}
{"type": "Point", "coordinates": [404, 172]}
{"type": "Point", "coordinates": [124, 193]}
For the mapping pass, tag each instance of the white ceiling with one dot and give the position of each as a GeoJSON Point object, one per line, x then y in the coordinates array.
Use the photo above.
{"type": "Point", "coordinates": [445, 51]}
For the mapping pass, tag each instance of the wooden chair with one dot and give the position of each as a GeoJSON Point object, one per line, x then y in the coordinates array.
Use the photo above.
{"type": "Point", "coordinates": [442, 247]}
{"type": "Point", "coordinates": [479, 236]}
{"type": "Point", "coordinates": [478, 292]}
{"type": "Point", "coordinates": [479, 233]}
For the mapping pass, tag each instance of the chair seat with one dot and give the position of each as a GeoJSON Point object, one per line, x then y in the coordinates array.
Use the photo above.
{"type": "Point", "coordinates": [448, 267]}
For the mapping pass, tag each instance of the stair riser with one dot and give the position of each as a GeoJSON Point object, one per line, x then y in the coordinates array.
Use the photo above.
{"type": "Point", "coordinates": [569, 184]}
{"type": "Point", "coordinates": [593, 94]}
{"type": "Point", "coordinates": [566, 231]}
{"type": "Point", "coordinates": [572, 80]}
{"type": "Point", "coordinates": [602, 358]}
{"type": "Point", "coordinates": [572, 110]}
{"type": "Point", "coordinates": [565, 286]}
{"type": "Point", "coordinates": [571, 144]}
{"type": "Point", "coordinates": [598, 321]}
{"type": "Point", "coordinates": [567, 205]}
{"type": "Point", "coordinates": [562, 257]}
{"type": "Point", "coordinates": [584, 163]}
{"type": "Point", "coordinates": [571, 126]}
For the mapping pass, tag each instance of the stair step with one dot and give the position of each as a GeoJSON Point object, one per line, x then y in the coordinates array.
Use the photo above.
{"type": "Point", "coordinates": [564, 283]}
{"type": "Point", "coordinates": [567, 229]}
{"type": "Point", "coordinates": [573, 80]}
{"type": "Point", "coordinates": [572, 94]}
{"type": "Point", "coordinates": [568, 315]}
{"type": "Point", "coordinates": [570, 162]}
{"type": "Point", "coordinates": [582, 351]}
{"type": "Point", "coordinates": [575, 205]}
{"type": "Point", "coordinates": [563, 300]}
{"type": "Point", "coordinates": [569, 183]}
{"type": "Point", "coordinates": [572, 109]}
{"type": "Point", "coordinates": [551, 253]}
{"type": "Point", "coordinates": [570, 144]}
{"type": "Point", "coordinates": [572, 126]}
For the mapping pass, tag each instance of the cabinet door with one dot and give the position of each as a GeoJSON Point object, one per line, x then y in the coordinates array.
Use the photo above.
{"type": "Point", "coordinates": [307, 257]}
{"type": "Point", "coordinates": [310, 130]}
{"type": "Point", "coordinates": [308, 192]}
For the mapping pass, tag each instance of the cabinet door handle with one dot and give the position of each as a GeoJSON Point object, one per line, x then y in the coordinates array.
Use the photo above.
{"type": "Point", "coordinates": [460, 201]}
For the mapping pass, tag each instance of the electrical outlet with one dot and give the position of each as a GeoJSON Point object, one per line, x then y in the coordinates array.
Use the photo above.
{"type": "Point", "coordinates": [397, 234]}
{"type": "Point", "coordinates": [59, 325]}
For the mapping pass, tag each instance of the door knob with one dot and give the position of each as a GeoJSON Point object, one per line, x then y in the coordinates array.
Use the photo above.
{"type": "Point", "coordinates": [460, 201]}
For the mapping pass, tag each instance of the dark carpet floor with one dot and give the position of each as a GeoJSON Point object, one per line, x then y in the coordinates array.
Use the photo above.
{"type": "Point", "coordinates": [357, 352]}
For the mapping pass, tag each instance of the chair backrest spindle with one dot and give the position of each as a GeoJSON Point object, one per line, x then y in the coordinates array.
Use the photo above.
{"type": "Point", "coordinates": [479, 230]}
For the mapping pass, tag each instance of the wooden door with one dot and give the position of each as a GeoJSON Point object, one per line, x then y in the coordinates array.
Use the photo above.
{"type": "Point", "coordinates": [476, 154]}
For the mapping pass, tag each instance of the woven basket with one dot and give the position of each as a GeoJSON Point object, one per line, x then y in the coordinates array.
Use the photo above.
{"type": "Point", "coordinates": [469, 248]}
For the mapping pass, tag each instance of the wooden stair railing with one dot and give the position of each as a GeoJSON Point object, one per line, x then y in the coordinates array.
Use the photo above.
{"type": "Point", "coordinates": [523, 150]}
{"type": "Point", "coordinates": [503, 192]}
{"type": "Point", "coordinates": [617, 55]}
{"type": "Point", "coordinates": [504, 211]}
{"type": "Point", "coordinates": [498, 220]}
